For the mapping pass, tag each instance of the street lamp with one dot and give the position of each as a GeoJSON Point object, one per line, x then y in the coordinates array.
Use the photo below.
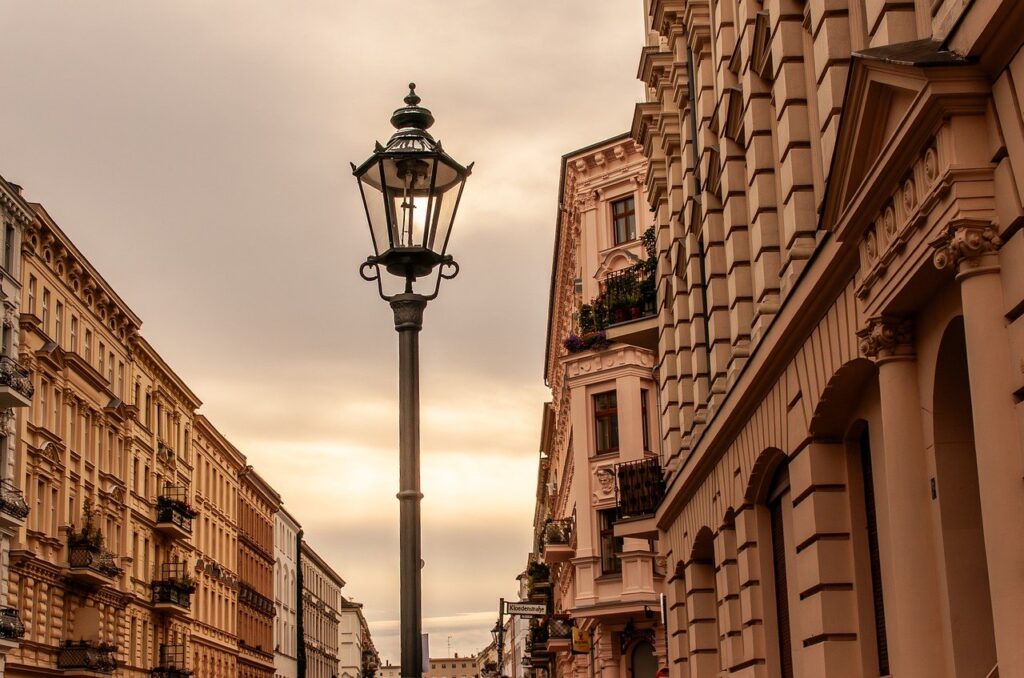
{"type": "Point", "coordinates": [410, 190]}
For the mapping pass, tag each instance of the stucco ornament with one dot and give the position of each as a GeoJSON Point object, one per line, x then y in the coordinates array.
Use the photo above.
{"type": "Point", "coordinates": [605, 478]}
{"type": "Point", "coordinates": [884, 335]}
{"type": "Point", "coordinates": [963, 241]}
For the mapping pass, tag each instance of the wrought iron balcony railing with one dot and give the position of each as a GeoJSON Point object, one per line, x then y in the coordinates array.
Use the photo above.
{"type": "Point", "coordinates": [12, 500]}
{"type": "Point", "coordinates": [85, 556]}
{"type": "Point", "coordinates": [175, 586]}
{"type": "Point", "coordinates": [559, 628]}
{"type": "Point", "coordinates": [173, 509]}
{"type": "Point", "coordinates": [13, 375]}
{"type": "Point", "coordinates": [87, 655]}
{"type": "Point", "coordinates": [172, 663]}
{"type": "Point", "coordinates": [559, 532]}
{"type": "Point", "coordinates": [639, 487]}
{"type": "Point", "coordinates": [628, 295]}
{"type": "Point", "coordinates": [11, 626]}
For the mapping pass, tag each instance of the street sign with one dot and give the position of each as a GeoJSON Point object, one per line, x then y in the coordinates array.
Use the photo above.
{"type": "Point", "coordinates": [526, 609]}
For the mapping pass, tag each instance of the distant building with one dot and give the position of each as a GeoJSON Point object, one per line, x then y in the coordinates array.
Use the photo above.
{"type": "Point", "coordinates": [357, 655]}
{"type": "Point", "coordinates": [443, 667]}
{"type": "Point", "coordinates": [258, 502]}
{"type": "Point", "coordinates": [321, 606]}
{"type": "Point", "coordinates": [287, 533]}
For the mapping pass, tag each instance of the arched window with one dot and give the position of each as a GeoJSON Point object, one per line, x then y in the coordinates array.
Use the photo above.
{"type": "Point", "coordinates": [779, 515]}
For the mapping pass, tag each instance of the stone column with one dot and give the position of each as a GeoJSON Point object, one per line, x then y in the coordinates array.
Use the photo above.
{"type": "Point", "coordinates": [913, 592]}
{"type": "Point", "coordinates": [970, 247]}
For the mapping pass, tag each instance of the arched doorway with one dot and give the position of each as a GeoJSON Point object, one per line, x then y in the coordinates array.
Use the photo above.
{"type": "Point", "coordinates": [643, 661]}
{"type": "Point", "coordinates": [963, 538]}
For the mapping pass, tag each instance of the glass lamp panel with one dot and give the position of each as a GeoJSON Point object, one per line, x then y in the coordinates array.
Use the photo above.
{"type": "Point", "coordinates": [407, 182]}
{"type": "Point", "coordinates": [446, 203]}
{"type": "Point", "coordinates": [374, 204]}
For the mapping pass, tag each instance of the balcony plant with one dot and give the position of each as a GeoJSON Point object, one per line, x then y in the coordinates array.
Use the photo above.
{"type": "Point", "coordinates": [89, 537]}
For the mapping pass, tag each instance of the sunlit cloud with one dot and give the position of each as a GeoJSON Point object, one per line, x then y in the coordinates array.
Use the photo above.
{"type": "Point", "coordinates": [210, 186]}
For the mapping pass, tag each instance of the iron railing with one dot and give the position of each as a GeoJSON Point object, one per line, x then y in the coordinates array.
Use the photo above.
{"type": "Point", "coordinates": [559, 532]}
{"type": "Point", "coordinates": [254, 599]}
{"type": "Point", "coordinates": [17, 377]}
{"type": "Point", "coordinates": [87, 655]}
{"type": "Point", "coordinates": [639, 487]}
{"type": "Point", "coordinates": [175, 586]}
{"type": "Point", "coordinates": [90, 557]}
{"type": "Point", "coordinates": [172, 663]}
{"type": "Point", "coordinates": [628, 295]}
{"type": "Point", "coordinates": [11, 626]}
{"type": "Point", "coordinates": [560, 628]}
{"type": "Point", "coordinates": [12, 500]}
{"type": "Point", "coordinates": [172, 507]}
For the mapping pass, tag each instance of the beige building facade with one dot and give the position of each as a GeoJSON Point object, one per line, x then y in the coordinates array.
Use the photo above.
{"type": "Point", "coordinates": [16, 390]}
{"type": "Point", "coordinates": [837, 195]}
{"type": "Point", "coordinates": [287, 538]}
{"type": "Point", "coordinates": [357, 655]}
{"type": "Point", "coordinates": [321, 614]}
{"type": "Point", "coordinates": [602, 417]}
{"type": "Point", "coordinates": [219, 464]}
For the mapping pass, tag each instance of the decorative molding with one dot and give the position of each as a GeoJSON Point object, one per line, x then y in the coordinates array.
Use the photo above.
{"type": "Point", "coordinates": [885, 336]}
{"type": "Point", "coordinates": [964, 241]}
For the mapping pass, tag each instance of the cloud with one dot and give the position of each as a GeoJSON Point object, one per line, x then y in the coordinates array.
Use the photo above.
{"type": "Point", "coordinates": [198, 152]}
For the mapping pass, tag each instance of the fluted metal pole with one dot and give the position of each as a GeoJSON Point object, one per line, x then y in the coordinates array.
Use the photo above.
{"type": "Point", "coordinates": [408, 309]}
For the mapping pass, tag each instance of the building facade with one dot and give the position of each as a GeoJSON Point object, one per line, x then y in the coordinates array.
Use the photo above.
{"type": "Point", "coordinates": [602, 417]}
{"type": "Point", "coordinates": [16, 392]}
{"type": "Point", "coordinates": [287, 537]}
{"type": "Point", "coordinates": [321, 610]}
{"type": "Point", "coordinates": [357, 655]}
{"type": "Point", "coordinates": [219, 465]}
{"type": "Point", "coordinates": [837, 192]}
{"type": "Point", "coordinates": [257, 504]}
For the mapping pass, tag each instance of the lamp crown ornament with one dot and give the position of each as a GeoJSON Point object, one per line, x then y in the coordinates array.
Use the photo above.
{"type": "Point", "coordinates": [412, 115]}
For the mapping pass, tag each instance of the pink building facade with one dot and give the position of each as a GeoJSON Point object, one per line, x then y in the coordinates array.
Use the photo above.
{"type": "Point", "coordinates": [603, 414]}
{"type": "Point", "coordinates": [837, 195]}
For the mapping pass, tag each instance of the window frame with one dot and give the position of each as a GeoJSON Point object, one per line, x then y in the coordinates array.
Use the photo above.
{"type": "Point", "coordinates": [627, 218]}
{"type": "Point", "coordinates": [609, 414]}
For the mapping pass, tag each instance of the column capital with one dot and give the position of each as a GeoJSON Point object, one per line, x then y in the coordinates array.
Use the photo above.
{"type": "Point", "coordinates": [963, 243]}
{"type": "Point", "coordinates": [887, 337]}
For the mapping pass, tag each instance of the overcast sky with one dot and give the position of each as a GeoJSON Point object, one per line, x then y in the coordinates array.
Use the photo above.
{"type": "Point", "coordinates": [198, 153]}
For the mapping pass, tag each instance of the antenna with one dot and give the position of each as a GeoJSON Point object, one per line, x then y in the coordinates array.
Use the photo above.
{"type": "Point", "coordinates": [449, 645]}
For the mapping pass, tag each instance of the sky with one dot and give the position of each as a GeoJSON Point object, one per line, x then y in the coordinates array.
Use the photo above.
{"type": "Point", "coordinates": [197, 152]}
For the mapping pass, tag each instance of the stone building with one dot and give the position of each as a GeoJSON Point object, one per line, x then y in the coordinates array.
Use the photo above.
{"type": "Point", "coordinates": [321, 614]}
{"type": "Point", "coordinates": [215, 622]}
{"type": "Point", "coordinates": [257, 504]}
{"type": "Point", "coordinates": [16, 391]}
{"type": "Point", "coordinates": [357, 655]}
{"type": "Point", "coordinates": [837, 195]}
{"type": "Point", "coordinates": [287, 536]}
{"type": "Point", "coordinates": [602, 332]}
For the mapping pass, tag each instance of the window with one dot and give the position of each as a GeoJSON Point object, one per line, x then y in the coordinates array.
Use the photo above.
{"type": "Point", "coordinates": [88, 346]}
{"type": "Point", "coordinates": [58, 330]}
{"type": "Point", "coordinates": [777, 521]}
{"type": "Point", "coordinates": [9, 248]}
{"type": "Point", "coordinates": [611, 546]}
{"type": "Point", "coordinates": [624, 220]}
{"type": "Point", "coordinates": [74, 334]}
{"type": "Point", "coordinates": [120, 380]}
{"type": "Point", "coordinates": [103, 355]}
{"type": "Point", "coordinates": [110, 368]}
{"type": "Point", "coordinates": [645, 420]}
{"type": "Point", "coordinates": [46, 310]}
{"type": "Point", "coordinates": [32, 294]}
{"type": "Point", "coordinates": [606, 422]}
{"type": "Point", "coordinates": [871, 520]}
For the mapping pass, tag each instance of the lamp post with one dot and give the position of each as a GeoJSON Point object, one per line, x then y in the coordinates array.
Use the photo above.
{"type": "Point", "coordinates": [410, 190]}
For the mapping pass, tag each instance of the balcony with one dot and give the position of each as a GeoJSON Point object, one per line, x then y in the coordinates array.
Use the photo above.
{"type": "Point", "coordinates": [173, 591]}
{"type": "Point", "coordinates": [559, 634]}
{"type": "Point", "coordinates": [538, 587]}
{"type": "Point", "coordinates": [639, 489]}
{"type": "Point", "coordinates": [559, 540]}
{"type": "Point", "coordinates": [537, 643]}
{"type": "Point", "coordinates": [172, 663]}
{"type": "Point", "coordinates": [631, 308]}
{"type": "Point", "coordinates": [15, 384]}
{"type": "Point", "coordinates": [84, 658]}
{"type": "Point", "coordinates": [173, 513]}
{"type": "Point", "coordinates": [13, 507]}
{"type": "Point", "coordinates": [89, 564]}
{"type": "Point", "coordinates": [11, 629]}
